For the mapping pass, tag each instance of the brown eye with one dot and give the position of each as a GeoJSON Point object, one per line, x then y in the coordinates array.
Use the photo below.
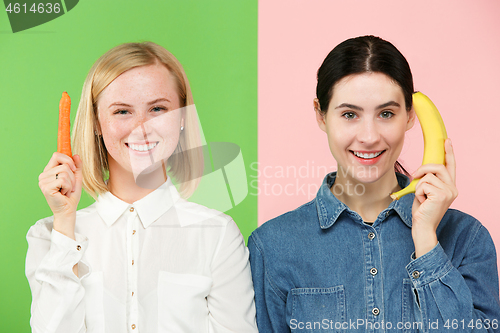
{"type": "Point", "coordinates": [349, 115]}
{"type": "Point", "coordinates": [386, 114]}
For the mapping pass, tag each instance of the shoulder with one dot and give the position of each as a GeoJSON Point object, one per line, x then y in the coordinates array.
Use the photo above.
{"type": "Point", "coordinates": [213, 226]}
{"type": "Point", "coordinates": [282, 228]}
{"type": "Point", "coordinates": [192, 213]}
{"type": "Point", "coordinates": [456, 221]}
{"type": "Point", "coordinates": [459, 232]}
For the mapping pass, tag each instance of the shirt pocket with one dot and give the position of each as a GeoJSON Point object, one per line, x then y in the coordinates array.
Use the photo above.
{"type": "Point", "coordinates": [408, 323]}
{"type": "Point", "coordinates": [318, 309]}
{"type": "Point", "coordinates": [94, 302]}
{"type": "Point", "coordinates": [182, 303]}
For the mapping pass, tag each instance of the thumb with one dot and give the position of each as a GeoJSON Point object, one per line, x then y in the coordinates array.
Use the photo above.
{"type": "Point", "coordinates": [450, 159]}
{"type": "Point", "coordinates": [416, 205]}
{"type": "Point", "coordinates": [78, 173]}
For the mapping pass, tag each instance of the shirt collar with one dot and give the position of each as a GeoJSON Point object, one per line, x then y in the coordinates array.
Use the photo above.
{"type": "Point", "coordinates": [330, 208]}
{"type": "Point", "coordinates": [149, 208]}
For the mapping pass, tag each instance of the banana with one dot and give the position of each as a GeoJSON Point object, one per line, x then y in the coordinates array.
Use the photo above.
{"type": "Point", "coordinates": [434, 137]}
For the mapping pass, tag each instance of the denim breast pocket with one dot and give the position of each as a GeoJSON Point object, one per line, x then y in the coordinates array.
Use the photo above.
{"type": "Point", "coordinates": [318, 309]}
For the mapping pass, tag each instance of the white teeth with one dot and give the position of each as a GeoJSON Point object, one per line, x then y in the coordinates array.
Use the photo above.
{"type": "Point", "coordinates": [367, 155]}
{"type": "Point", "coordinates": [142, 147]}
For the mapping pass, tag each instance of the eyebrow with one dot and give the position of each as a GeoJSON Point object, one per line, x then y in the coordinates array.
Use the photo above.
{"type": "Point", "coordinates": [358, 108]}
{"type": "Point", "coordinates": [150, 103]}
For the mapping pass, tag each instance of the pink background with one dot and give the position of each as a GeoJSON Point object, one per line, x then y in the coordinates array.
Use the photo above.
{"type": "Point", "coordinates": [453, 48]}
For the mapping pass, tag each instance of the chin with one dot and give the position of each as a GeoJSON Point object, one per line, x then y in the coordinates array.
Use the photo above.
{"type": "Point", "coordinates": [363, 174]}
{"type": "Point", "coordinates": [146, 169]}
{"type": "Point", "coordinates": [376, 176]}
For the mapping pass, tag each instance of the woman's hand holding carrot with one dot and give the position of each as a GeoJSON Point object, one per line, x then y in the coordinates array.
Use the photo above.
{"type": "Point", "coordinates": [434, 194]}
{"type": "Point", "coordinates": [61, 184]}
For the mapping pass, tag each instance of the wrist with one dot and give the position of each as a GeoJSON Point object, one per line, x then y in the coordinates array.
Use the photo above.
{"type": "Point", "coordinates": [424, 241]}
{"type": "Point", "coordinates": [65, 224]}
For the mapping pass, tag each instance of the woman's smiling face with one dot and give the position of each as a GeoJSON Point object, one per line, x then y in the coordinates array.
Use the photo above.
{"type": "Point", "coordinates": [140, 119]}
{"type": "Point", "coordinates": [366, 122]}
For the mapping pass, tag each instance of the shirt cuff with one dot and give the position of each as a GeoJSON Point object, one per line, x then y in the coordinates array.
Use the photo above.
{"type": "Point", "coordinates": [73, 250]}
{"type": "Point", "coordinates": [429, 267]}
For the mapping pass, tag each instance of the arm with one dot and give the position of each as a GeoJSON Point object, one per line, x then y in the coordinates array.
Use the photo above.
{"type": "Point", "coordinates": [57, 293]}
{"type": "Point", "coordinates": [269, 302]}
{"type": "Point", "coordinates": [463, 299]}
{"type": "Point", "coordinates": [230, 301]}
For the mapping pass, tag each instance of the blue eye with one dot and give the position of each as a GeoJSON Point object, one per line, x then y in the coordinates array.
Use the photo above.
{"type": "Point", "coordinates": [120, 112]}
{"type": "Point", "coordinates": [158, 109]}
{"type": "Point", "coordinates": [349, 115]}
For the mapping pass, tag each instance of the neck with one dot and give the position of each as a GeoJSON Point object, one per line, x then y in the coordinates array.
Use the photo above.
{"type": "Point", "coordinates": [129, 188]}
{"type": "Point", "coordinates": [367, 199]}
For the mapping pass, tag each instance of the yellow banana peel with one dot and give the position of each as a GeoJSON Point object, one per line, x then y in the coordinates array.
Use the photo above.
{"type": "Point", "coordinates": [434, 137]}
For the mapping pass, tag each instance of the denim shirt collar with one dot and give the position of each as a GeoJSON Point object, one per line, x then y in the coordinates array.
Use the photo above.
{"type": "Point", "coordinates": [330, 208]}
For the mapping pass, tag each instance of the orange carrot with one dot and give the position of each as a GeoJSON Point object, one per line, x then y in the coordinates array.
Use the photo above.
{"type": "Point", "coordinates": [63, 133]}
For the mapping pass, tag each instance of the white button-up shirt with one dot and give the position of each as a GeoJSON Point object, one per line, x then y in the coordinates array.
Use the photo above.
{"type": "Point", "coordinates": [161, 264]}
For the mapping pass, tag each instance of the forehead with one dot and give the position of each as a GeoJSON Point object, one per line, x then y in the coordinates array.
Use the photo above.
{"type": "Point", "coordinates": [366, 86]}
{"type": "Point", "coordinates": [142, 83]}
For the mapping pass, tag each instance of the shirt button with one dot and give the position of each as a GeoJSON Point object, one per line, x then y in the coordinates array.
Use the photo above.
{"type": "Point", "coordinates": [415, 274]}
{"type": "Point", "coordinates": [131, 209]}
{"type": "Point", "coordinates": [387, 213]}
{"type": "Point", "coordinates": [373, 271]}
{"type": "Point", "coordinates": [375, 311]}
{"type": "Point", "coordinates": [133, 326]}
{"type": "Point", "coordinates": [132, 293]}
{"type": "Point", "coordinates": [132, 262]}
{"type": "Point", "coordinates": [371, 235]}
{"type": "Point", "coordinates": [78, 247]}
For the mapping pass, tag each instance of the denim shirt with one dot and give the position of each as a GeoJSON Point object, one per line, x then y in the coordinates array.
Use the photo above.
{"type": "Point", "coordinates": [320, 268]}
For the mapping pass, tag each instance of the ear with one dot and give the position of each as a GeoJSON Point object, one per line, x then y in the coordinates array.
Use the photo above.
{"type": "Point", "coordinates": [411, 118]}
{"type": "Point", "coordinates": [320, 117]}
{"type": "Point", "coordinates": [97, 129]}
{"type": "Point", "coordinates": [97, 123]}
{"type": "Point", "coordinates": [183, 114]}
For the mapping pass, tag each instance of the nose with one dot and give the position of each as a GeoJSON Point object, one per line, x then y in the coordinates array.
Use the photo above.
{"type": "Point", "coordinates": [142, 126]}
{"type": "Point", "coordinates": [368, 132]}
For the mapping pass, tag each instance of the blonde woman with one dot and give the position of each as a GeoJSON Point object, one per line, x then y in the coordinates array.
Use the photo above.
{"type": "Point", "coordinates": [141, 258]}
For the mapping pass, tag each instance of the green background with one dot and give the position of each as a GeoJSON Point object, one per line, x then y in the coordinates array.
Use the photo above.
{"type": "Point", "coordinates": [216, 41]}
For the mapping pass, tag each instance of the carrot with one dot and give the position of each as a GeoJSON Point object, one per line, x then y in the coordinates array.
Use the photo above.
{"type": "Point", "coordinates": [63, 132]}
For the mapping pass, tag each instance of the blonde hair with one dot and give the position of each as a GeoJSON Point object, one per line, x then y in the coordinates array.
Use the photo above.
{"type": "Point", "coordinates": [186, 162]}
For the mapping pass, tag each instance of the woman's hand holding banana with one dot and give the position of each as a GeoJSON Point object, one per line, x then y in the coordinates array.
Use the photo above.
{"type": "Point", "coordinates": [434, 193]}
